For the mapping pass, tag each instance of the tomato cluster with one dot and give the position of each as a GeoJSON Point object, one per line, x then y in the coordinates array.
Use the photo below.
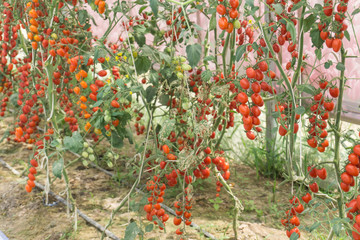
{"type": "Point", "coordinates": [8, 60]}
{"type": "Point", "coordinates": [354, 207]}
{"type": "Point", "coordinates": [32, 171]}
{"type": "Point", "coordinates": [351, 169]}
{"type": "Point", "coordinates": [284, 119]}
{"type": "Point", "coordinates": [291, 221]}
{"type": "Point", "coordinates": [313, 172]}
{"type": "Point", "coordinates": [320, 108]}
{"type": "Point", "coordinates": [226, 23]}
{"type": "Point", "coordinates": [332, 25]}
{"type": "Point", "coordinates": [284, 33]}
{"type": "Point", "coordinates": [153, 208]}
{"type": "Point", "coordinates": [183, 212]}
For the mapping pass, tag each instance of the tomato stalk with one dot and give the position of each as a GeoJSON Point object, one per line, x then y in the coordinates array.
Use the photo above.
{"type": "Point", "coordinates": [301, 49]}
{"type": "Point", "coordinates": [292, 95]}
{"type": "Point", "coordinates": [224, 54]}
{"type": "Point", "coordinates": [337, 130]}
{"type": "Point", "coordinates": [181, 3]}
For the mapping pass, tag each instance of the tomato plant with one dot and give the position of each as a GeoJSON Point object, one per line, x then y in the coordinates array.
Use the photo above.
{"type": "Point", "coordinates": [180, 87]}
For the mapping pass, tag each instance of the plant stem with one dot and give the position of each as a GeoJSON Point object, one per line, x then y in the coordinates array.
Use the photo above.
{"type": "Point", "coordinates": [337, 127]}
{"type": "Point", "coordinates": [301, 50]}
{"type": "Point", "coordinates": [224, 54]}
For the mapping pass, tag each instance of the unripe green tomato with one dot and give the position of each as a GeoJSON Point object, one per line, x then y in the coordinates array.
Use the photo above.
{"type": "Point", "coordinates": [110, 164]}
{"type": "Point", "coordinates": [186, 67]}
{"type": "Point", "coordinates": [54, 36]}
{"type": "Point", "coordinates": [117, 156]}
{"type": "Point", "coordinates": [86, 144]}
{"type": "Point", "coordinates": [182, 59]}
{"type": "Point", "coordinates": [131, 38]}
{"type": "Point", "coordinates": [85, 154]}
{"type": "Point", "coordinates": [180, 75]}
{"type": "Point", "coordinates": [168, 50]}
{"type": "Point", "coordinates": [92, 157]}
{"type": "Point", "coordinates": [186, 105]}
{"type": "Point", "coordinates": [236, 24]}
{"type": "Point", "coordinates": [90, 150]}
{"type": "Point", "coordinates": [109, 155]}
{"type": "Point", "coordinates": [85, 163]}
{"type": "Point", "coordinates": [107, 118]}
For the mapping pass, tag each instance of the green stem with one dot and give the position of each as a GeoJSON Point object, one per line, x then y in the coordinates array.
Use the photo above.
{"type": "Point", "coordinates": [301, 50]}
{"type": "Point", "coordinates": [181, 3]}
{"type": "Point", "coordinates": [232, 49]}
{"type": "Point", "coordinates": [224, 54]}
{"type": "Point", "coordinates": [292, 95]}
{"type": "Point", "coordinates": [337, 127]}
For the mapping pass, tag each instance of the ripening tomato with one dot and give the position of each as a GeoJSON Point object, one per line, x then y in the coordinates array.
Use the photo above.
{"type": "Point", "coordinates": [221, 9]}
{"type": "Point", "coordinates": [356, 149]}
{"type": "Point", "coordinates": [223, 23]}
{"type": "Point", "coordinates": [321, 173]}
{"type": "Point", "coordinates": [307, 198]}
{"type": "Point", "coordinates": [352, 170]}
{"type": "Point", "coordinates": [314, 187]}
{"type": "Point", "coordinates": [234, 3]}
{"type": "Point", "coordinates": [250, 72]}
{"type": "Point", "coordinates": [334, 92]}
{"type": "Point", "coordinates": [336, 44]}
{"type": "Point", "coordinates": [313, 172]}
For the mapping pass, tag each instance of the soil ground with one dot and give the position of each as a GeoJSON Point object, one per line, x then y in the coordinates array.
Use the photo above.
{"type": "Point", "coordinates": [24, 216]}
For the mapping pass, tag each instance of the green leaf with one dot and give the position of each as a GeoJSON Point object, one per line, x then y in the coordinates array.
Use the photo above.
{"type": "Point", "coordinates": [291, 28]}
{"type": "Point", "coordinates": [209, 58]}
{"type": "Point", "coordinates": [164, 99]}
{"type": "Point", "coordinates": [308, 22]}
{"type": "Point", "coordinates": [150, 93]}
{"type": "Point", "coordinates": [307, 88]}
{"type": "Point", "coordinates": [82, 16]}
{"type": "Point", "coordinates": [276, 114]}
{"type": "Point", "coordinates": [149, 227]}
{"type": "Point", "coordinates": [314, 226]}
{"type": "Point", "coordinates": [166, 128]}
{"type": "Point", "coordinates": [140, 39]}
{"type": "Point", "coordinates": [154, 6]}
{"type": "Point", "coordinates": [212, 23]}
{"type": "Point", "coordinates": [74, 143]}
{"type": "Point", "coordinates": [129, 136]}
{"type": "Point", "coordinates": [132, 230]}
{"type": "Point", "coordinates": [297, 6]}
{"type": "Point", "coordinates": [206, 75]}
{"type": "Point", "coordinates": [142, 64]}
{"type": "Point", "coordinates": [328, 64]}
{"type": "Point", "coordinates": [5, 135]}
{"type": "Point", "coordinates": [278, 8]}
{"type": "Point", "coordinates": [193, 54]}
{"type": "Point", "coordinates": [117, 141]}
{"type": "Point", "coordinates": [250, 3]}
{"type": "Point", "coordinates": [318, 53]}
{"type": "Point", "coordinates": [347, 35]}
{"type": "Point", "coordinates": [337, 228]}
{"type": "Point", "coordinates": [315, 38]}
{"type": "Point", "coordinates": [300, 110]}
{"type": "Point", "coordinates": [166, 57]}
{"type": "Point", "coordinates": [240, 52]}
{"type": "Point", "coordinates": [340, 66]}
{"type": "Point", "coordinates": [160, 223]}
{"type": "Point", "coordinates": [54, 143]}
{"type": "Point", "coordinates": [58, 167]}
{"type": "Point", "coordinates": [294, 236]}
{"type": "Point", "coordinates": [356, 11]}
